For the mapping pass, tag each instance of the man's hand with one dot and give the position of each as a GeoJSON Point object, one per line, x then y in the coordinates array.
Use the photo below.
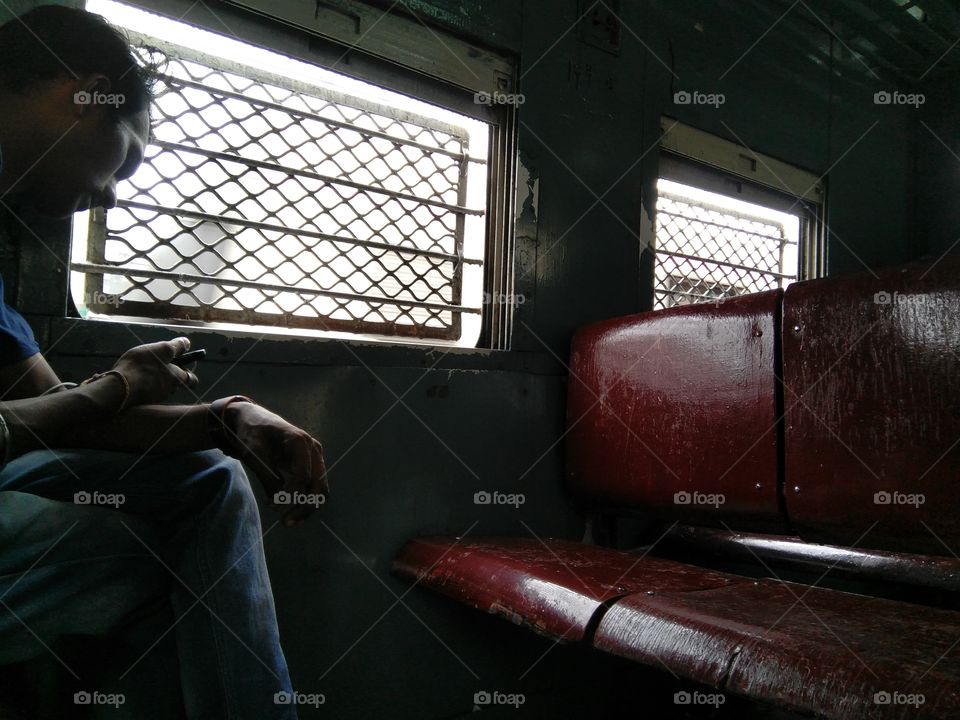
{"type": "Point", "coordinates": [288, 460]}
{"type": "Point", "coordinates": [151, 376]}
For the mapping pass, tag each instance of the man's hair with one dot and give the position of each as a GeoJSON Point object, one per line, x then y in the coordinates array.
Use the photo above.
{"type": "Point", "coordinates": [53, 42]}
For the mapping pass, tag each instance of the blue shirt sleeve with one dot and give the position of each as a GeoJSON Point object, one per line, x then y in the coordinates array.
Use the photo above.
{"type": "Point", "coordinates": [16, 336]}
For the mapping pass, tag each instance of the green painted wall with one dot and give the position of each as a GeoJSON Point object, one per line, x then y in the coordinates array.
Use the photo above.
{"type": "Point", "coordinates": [938, 168]}
{"type": "Point", "coordinates": [12, 8]}
{"type": "Point", "coordinates": [493, 420]}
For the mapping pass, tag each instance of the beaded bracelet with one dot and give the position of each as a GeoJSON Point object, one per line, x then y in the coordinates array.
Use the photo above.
{"type": "Point", "coordinates": [126, 386]}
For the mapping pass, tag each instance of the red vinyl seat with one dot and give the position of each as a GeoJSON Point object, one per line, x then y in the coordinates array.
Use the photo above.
{"type": "Point", "coordinates": [777, 412]}
{"type": "Point", "coordinates": [806, 648]}
{"type": "Point", "coordinates": [556, 588]}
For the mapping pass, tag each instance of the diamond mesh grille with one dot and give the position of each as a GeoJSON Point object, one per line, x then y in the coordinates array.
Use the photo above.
{"type": "Point", "coordinates": [705, 253]}
{"type": "Point", "coordinates": [265, 201]}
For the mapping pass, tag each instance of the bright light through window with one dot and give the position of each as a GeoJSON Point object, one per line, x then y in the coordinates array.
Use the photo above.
{"type": "Point", "coordinates": [711, 246]}
{"type": "Point", "coordinates": [289, 191]}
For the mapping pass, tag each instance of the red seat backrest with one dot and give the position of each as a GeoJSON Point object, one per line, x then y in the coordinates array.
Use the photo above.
{"type": "Point", "coordinates": [872, 399]}
{"type": "Point", "coordinates": [674, 413]}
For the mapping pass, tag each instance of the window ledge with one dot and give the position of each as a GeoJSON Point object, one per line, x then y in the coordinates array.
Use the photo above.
{"type": "Point", "coordinates": [99, 338]}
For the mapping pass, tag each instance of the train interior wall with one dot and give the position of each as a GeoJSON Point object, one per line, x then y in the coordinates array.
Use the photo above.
{"type": "Point", "coordinates": [412, 434]}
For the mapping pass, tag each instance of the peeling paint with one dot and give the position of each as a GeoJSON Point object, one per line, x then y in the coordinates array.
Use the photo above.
{"type": "Point", "coordinates": [528, 192]}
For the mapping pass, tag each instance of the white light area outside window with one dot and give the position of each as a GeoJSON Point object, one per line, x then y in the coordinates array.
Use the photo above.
{"type": "Point", "coordinates": [237, 51]}
{"type": "Point", "coordinates": [790, 223]}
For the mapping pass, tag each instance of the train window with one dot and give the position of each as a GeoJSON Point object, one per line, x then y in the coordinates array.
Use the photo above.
{"type": "Point", "coordinates": [278, 194]}
{"type": "Point", "coordinates": [712, 246]}
{"type": "Point", "coordinates": [722, 232]}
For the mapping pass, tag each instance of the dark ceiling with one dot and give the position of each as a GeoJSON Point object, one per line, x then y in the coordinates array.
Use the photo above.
{"type": "Point", "coordinates": [910, 40]}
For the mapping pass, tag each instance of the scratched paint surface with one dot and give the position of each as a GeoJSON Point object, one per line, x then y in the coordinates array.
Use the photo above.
{"type": "Point", "coordinates": [678, 401]}
{"type": "Point", "coordinates": [828, 654]}
{"type": "Point", "coordinates": [872, 393]}
{"type": "Point", "coordinates": [555, 587]}
{"type": "Point", "coordinates": [804, 648]}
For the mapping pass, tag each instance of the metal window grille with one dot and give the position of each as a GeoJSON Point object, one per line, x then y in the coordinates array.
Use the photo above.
{"type": "Point", "coordinates": [266, 201]}
{"type": "Point", "coordinates": [705, 253]}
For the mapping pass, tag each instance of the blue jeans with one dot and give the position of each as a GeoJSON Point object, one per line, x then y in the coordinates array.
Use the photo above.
{"type": "Point", "coordinates": [95, 542]}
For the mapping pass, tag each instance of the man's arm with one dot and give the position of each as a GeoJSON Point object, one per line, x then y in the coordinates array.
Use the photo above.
{"type": "Point", "coordinates": [40, 422]}
{"type": "Point", "coordinates": [145, 428]}
{"type": "Point", "coordinates": [27, 378]}
{"type": "Point", "coordinates": [143, 375]}
{"type": "Point", "coordinates": [282, 455]}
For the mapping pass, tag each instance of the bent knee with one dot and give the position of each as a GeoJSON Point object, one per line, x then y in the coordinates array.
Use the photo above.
{"type": "Point", "coordinates": [209, 477]}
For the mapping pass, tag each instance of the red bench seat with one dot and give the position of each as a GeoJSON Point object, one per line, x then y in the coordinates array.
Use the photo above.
{"type": "Point", "coordinates": [806, 648]}
{"type": "Point", "coordinates": [826, 413]}
{"type": "Point", "coordinates": [556, 587]}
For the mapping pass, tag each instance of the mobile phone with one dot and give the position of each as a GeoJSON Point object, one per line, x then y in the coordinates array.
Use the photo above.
{"type": "Point", "coordinates": [189, 357]}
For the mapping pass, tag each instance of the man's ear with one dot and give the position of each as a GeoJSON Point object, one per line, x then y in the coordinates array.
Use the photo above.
{"type": "Point", "coordinates": [87, 91]}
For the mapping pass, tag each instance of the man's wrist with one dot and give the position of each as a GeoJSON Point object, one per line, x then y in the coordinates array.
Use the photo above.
{"type": "Point", "coordinates": [109, 391]}
{"type": "Point", "coordinates": [221, 417]}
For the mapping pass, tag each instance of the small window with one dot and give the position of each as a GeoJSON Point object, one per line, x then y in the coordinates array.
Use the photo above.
{"type": "Point", "coordinates": [279, 194]}
{"type": "Point", "coordinates": [712, 246]}
{"type": "Point", "coordinates": [730, 221]}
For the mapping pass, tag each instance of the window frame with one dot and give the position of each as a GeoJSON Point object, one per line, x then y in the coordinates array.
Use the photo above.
{"type": "Point", "coordinates": [695, 157]}
{"type": "Point", "coordinates": [276, 35]}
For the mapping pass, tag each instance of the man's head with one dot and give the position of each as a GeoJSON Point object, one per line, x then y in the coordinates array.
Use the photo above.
{"type": "Point", "coordinates": [74, 109]}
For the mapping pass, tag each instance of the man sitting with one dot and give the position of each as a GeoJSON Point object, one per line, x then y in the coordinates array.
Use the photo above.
{"type": "Point", "coordinates": [174, 519]}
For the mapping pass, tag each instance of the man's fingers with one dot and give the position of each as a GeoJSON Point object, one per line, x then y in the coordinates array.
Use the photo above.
{"type": "Point", "coordinates": [318, 468]}
{"type": "Point", "coordinates": [184, 377]}
{"type": "Point", "coordinates": [188, 378]}
{"type": "Point", "coordinates": [167, 350]}
{"type": "Point", "coordinates": [179, 345]}
{"type": "Point", "coordinates": [306, 479]}
{"type": "Point", "coordinates": [296, 470]}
